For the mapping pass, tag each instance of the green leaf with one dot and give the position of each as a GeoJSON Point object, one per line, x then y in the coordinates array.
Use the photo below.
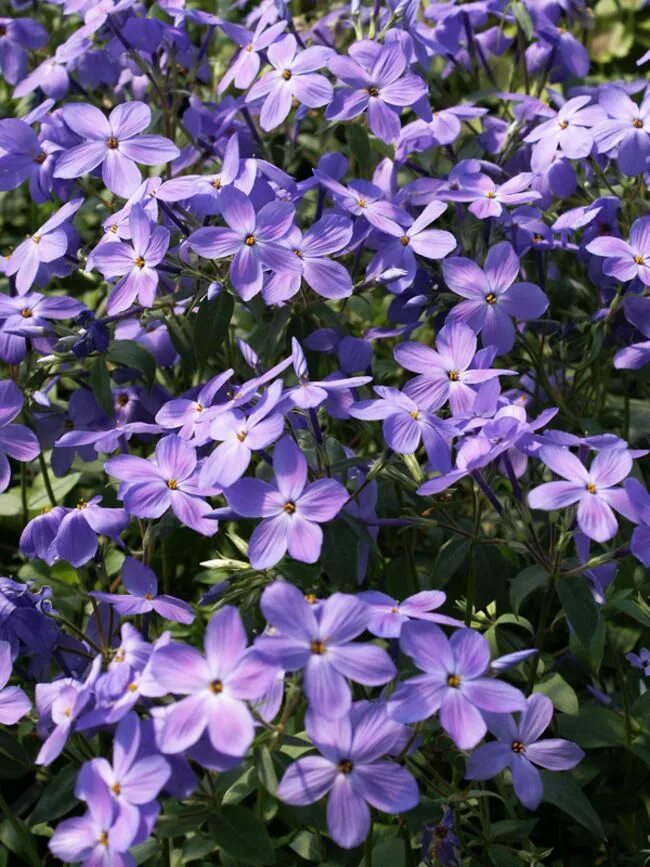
{"type": "Point", "coordinates": [182, 338]}
{"type": "Point", "coordinates": [390, 853]}
{"type": "Point", "coordinates": [128, 353]}
{"type": "Point", "coordinates": [526, 582]}
{"type": "Point", "coordinates": [562, 695]}
{"type": "Point", "coordinates": [523, 19]}
{"type": "Point", "coordinates": [241, 834]}
{"type": "Point", "coordinates": [563, 792]}
{"type": "Point", "coordinates": [359, 144]}
{"type": "Point", "coordinates": [451, 557]}
{"type": "Point", "coordinates": [39, 498]}
{"type": "Point", "coordinates": [10, 504]}
{"type": "Point", "coordinates": [306, 845]}
{"type": "Point", "coordinates": [266, 770]}
{"type": "Point", "coordinates": [100, 382]}
{"type": "Point", "coordinates": [593, 727]}
{"type": "Point", "coordinates": [211, 325]}
{"type": "Point", "coordinates": [579, 606]}
{"type": "Point", "coordinates": [57, 798]}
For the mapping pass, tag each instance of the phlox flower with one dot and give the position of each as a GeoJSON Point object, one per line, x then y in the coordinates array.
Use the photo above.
{"type": "Point", "coordinates": [142, 596]}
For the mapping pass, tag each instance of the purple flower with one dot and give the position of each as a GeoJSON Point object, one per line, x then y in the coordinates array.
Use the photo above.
{"type": "Point", "coordinates": [310, 394]}
{"type": "Point", "coordinates": [192, 417]}
{"type": "Point", "coordinates": [453, 683]}
{"type": "Point", "coordinates": [22, 157]}
{"type": "Point", "coordinates": [365, 199]}
{"type": "Point", "coordinates": [27, 317]}
{"type": "Point", "coordinates": [76, 538]}
{"type": "Point", "coordinates": [16, 440]}
{"type": "Point", "coordinates": [246, 64]}
{"type": "Point", "coordinates": [626, 260]}
{"type": "Point", "coordinates": [135, 263]}
{"type": "Point", "coordinates": [488, 197]}
{"type": "Point", "coordinates": [353, 771]}
{"type": "Point", "coordinates": [47, 244]}
{"type": "Point", "coordinates": [115, 144]}
{"type": "Point", "coordinates": [388, 616]}
{"type": "Point", "coordinates": [406, 424]}
{"type": "Point", "coordinates": [14, 704]}
{"type": "Point", "coordinates": [401, 250]}
{"type": "Point", "coordinates": [567, 132]}
{"type": "Point", "coordinates": [293, 77]}
{"type": "Point", "coordinates": [377, 82]}
{"type": "Point", "coordinates": [640, 660]}
{"type": "Point", "coordinates": [130, 780]}
{"type": "Point", "coordinates": [327, 278]}
{"type": "Point", "coordinates": [39, 534]}
{"type": "Point", "coordinates": [170, 481]}
{"type": "Point", "coordinates": [493, 296]}
{"type": "Point", "coordinates": [217, 687]}
{"type": "Point", "coordinates": [292, 509]}
{"type": "Point", "coordinates": [626, 127]}
{"type": "Point", "coordinates": [240, 436]}
{"type": "Point", "coordinates": [16, 35]}
{"type": "Point", "coordinates": [141, 595]}
{"type": "Point", "coordinates": [252, 238]}
{"type": "Point", "coordinates": [102, 836]}
{"type": "Point", "coordinates": [595, 489]}
{"type": "Point", "coordinates": [637, 313]}
{"type": "Point", "coordinates": [318, 639]}
{"type": "Point", "coordinates": [640, 502]}
{"type": "Point", "coordinates": [448, 373]}
{"type": "Point", "coordinates": [518, 747]}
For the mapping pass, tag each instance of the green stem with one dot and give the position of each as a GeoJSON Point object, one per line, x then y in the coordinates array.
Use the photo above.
{"type": "Point", "coordinates": [46, 480]}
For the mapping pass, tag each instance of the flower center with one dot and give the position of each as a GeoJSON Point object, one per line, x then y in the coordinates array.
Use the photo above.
{"type": "Point", "coordinates": [362, 203]}
{"type": "Point", "coordinates": [46, 509]}
{"type": "Point", "coordinates": [26, 312]}
{"type": "Point", "coordinates": [241, 436]}
{"type": "Point", "coordinates": [405, 240]}
{"type": "Point", "coordinates": [216, 183]}
{"type": "Point", "coordinates": [453, 375]}
{"type": "Point", "coordinates": [394, 610]}
{"type": "Point", "coordinates": [317, 647]}
{"type": "Point", "coordinates": [453, 680]}
{"type": "Point", "coordinates": [591, 488]}
{"type": "Point", "coordinates": [148, 596]}
{"type": "Point", "coordinates": [345, 767]}
{"type": "Point", "coordinates": [114, 228]}
{"type": "Point", "coordinates": [40, 158]}
{"type": "Point", "coordinates": [112, 142]}
{"type": "Point", "coordinates": [139, 262]}
{"type": "Point", "coordinates": [82, 504]}
{"type": "Point", "coordinates": [311, 598]}
{"type": "Point", "coordinates": [298, 253]}
{"type": "Point", "coordinates": [491, 194]}
{"type": "Point", "coordinates": [639, 260]}
{"type": "Point", "coordinates": [286, 74]}
{"type": "Point", "coordinates": [249, 240]}
{"type": "Point", "coordinates": [289, 507]}
{"type": "Point", "coordinates": [103, 838]}
{"type": "Point", "coordinates": [116, 788]}
{"type": "Point", "coordinates": [132, 687]}
{"type": "Point", "coordinates": [415, 414]}
{"type": "Point", "coordinates": [172, 484]}
{"type": "Point", "coordinates": [373, 91]}
{"type": "Point", "coordinates": [491, 298]}
{"type": "Point", "coordinates": [216, 686]}
{"type": "Point", "coordinates": [563, 124]}
{"type": "Point", "coordinates": [199, 407]}
{"type": "Point", "coordinates": [36, 239]}
{"type": "Point", "coordinates": [637, 123]}
{"type": "Point", "coordinates": [122, 399]}
{"type": "Point", "coordinates": [517, 747]}
{"type": "Point", "coordinates": [249, 47]}
{"type": "Point", "coordinates": [537, 238]}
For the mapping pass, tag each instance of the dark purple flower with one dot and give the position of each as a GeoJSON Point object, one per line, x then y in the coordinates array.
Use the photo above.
{"type": "Point", "coordinates": [352, 770]}
{"type": "Point", "coordinates": [640, 503]}
{"type": "Point", "coordinates": [387, 616]}
{"type": "Point", "coordinates": [626, 260]}
{"type": "Point", "coordinates": [14, 704]}
{"type": "Point", "coordinates": [318, 639]}
{"type": "Point", "coordinates": [17, 35]}
{"type": "Point", "coordinates": [453, 683]}
{"type": "Point", "coordinates": [27, 317]}
{"type": "Point", "coordinates": [141, 595]}
{"type": "Point", "coordinates": [292, 509]}
{"type": "Point", "coordinates": [76, 538]}
{"type": "Point", "coordinates": [16, 440]}
{"type": "Point", "coordinates": [518, 747]}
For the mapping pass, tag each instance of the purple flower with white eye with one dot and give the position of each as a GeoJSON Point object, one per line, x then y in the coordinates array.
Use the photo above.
{"type": "Point", "coordinates": [448, 373]}
{"type": "Point", "coordinates": [293, 77]}
{"type": "Point", "coordinates": [596, 489]}
{"type": "Point", "coordinates": [327, 278]}
{"type": "Point", "coordinates": [640, 660]}
{"type": "Point", "coordinates": [568, 132]}
{"type": "Point", "coordinates": [376, 81]}
{"type": "Point", "coordinates": [192, 417]}
{"type": "Point", "coordinates": [27, 317]}
{"type": "Point", "coordinates": [131, 781]}
{"type": "Point", "coordinates": [47, 244]}
{"type": "Point", "coordinates": [626, 127]}
{"type": "Point", "coordinates": [365, 199]}
{"type": "Point", "coordinates": [240, 436]}
{"type": "Point", "coordinates": [489, 198]}
{"type": "Point", "coordinates": [14, 704]}
{"type": "Point", "coordinates": [115, 144]}
{"type": "Point", "coordinates": [626, 260]}
{"type": "Point", "coordinates": [253, 239]}
{"type": "Point", "coordinates": [388, 616]}
{"type": "Point", "coordinates": [453, 684]}
{"type": "Point", "coordinates": [246, 64]}
{"type": "Point", "coordinates": [142, 596]}
{"type": "Point", "coordinates": [353, 771]}
{"type": "Point", "coordinates": [17, 35]}
{"type": "Point", "coordinates": [319, 640]}
{"type": "Point", "coordinates": [401, 250]}
{"type": "Point", "coordinates": [406, 424]}
{"type": "Point", "coordinates": [16, 440]}
{"type": "Point", "coordinates": [309, 394]}
{"type": "Point", "coordinates": [637, 313]}
{"type": "Point", "coordinates": [135, 263]}
{"type": "Point", "coordinates": [519, 748]}
{"type": "Point", "coordinates": [292, 509]}
{"type": "Point", "coordinates": [102, 836]}
{"type": "Point", "coordinates": [216, 688]}
{"type": "Point", "coordinates": [492, 295]}
{"type": "Point", "coordinates": [170, 481]}
{"type": "Point", "coordinates": [76, 538]}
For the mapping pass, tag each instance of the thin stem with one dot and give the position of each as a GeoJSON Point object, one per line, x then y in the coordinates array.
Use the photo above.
{"type": "Point", "coordinates": [46, 480]}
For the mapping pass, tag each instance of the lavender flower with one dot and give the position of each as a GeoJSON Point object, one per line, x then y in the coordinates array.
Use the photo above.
{"type": "Point", "coordinates": [14, 704]}
{"type": "Point", "coordinates": [16, 440]}
{"type": "Point", "coordinates": [626, 260]}
{"type": "Point", "coordinates": [141, 597]}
